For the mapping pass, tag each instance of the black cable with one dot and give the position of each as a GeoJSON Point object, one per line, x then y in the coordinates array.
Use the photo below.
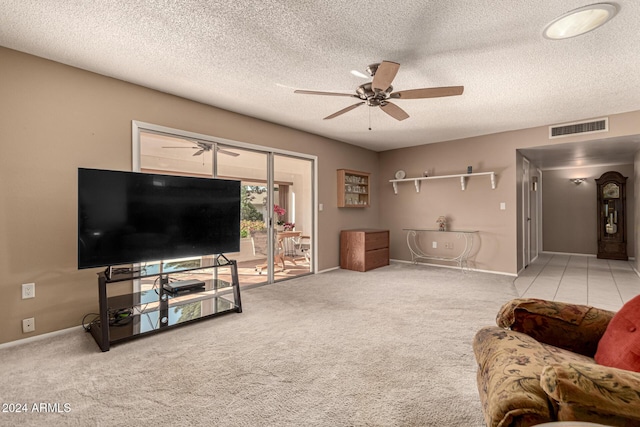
{"type": "Point", "coordinates": [87, 327]}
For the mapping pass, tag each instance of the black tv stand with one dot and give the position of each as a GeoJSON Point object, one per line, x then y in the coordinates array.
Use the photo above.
{"type": "Point", "coordinates": [129, 316]}
{"type": "Point", "coordinates": [224, 261]}
{"type": "Point", "coordinates": [110, 271]}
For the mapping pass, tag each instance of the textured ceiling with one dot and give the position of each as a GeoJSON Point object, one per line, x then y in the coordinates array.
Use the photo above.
{"type": "Point", "coordinates": [249, 56]}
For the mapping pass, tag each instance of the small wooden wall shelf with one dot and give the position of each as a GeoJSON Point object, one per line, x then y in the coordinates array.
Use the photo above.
{"type": "Point", "coordinates": [353, 189]}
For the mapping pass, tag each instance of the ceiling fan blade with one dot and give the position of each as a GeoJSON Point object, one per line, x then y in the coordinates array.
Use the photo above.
{"type": "Point", "coordinates": [194, 148]}
{"type": "Point", "coordinates": [385, 74]}
{"type": "Point", "coordinates": [315, 92]}
{"type": "Point", "coordinates": [432, 92]}
{"type": "Point", "coordinates": [394, 111]}
{"type": "Point", "coordinates": [197, 153]}
{"type": "Point", "coordinates": [228, 153]}
{"type": "Point", "coordinates": [344, 110]}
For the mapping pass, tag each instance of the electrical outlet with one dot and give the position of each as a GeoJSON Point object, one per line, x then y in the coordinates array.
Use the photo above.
{"type": "Point", "coordinates": [434, 245]}
{"type": "Point", "coordinates": [28, 290]}
{"type": "Point", "coordinates": [28, 325]}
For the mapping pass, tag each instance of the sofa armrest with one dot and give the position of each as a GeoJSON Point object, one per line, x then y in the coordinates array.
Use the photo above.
{"type": "Point", "coordinates": [585, 391]}
{"type": "Point", "coordinates": [574, 327]}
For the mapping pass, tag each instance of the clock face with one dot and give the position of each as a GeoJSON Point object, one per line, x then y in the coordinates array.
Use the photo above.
{"type": "Point", "coordinates": [400, 174]}
{"type": "Point", "coordinates": [611, 191]}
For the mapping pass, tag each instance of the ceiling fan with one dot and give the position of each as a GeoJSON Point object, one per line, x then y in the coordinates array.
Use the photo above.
{"type": "Point", "coordinates": [205, 146]}
{"type": "Point", "coordinates": [379, 91]}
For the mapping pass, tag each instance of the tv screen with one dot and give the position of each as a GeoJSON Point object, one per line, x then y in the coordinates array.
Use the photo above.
{"type": "Point", "coordinates": [130, 217]}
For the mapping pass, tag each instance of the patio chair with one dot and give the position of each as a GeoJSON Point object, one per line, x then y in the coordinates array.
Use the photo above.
{"type": "Point", "coordinates": [260, 242]}
{"type": "Point", "coordinates": [303, 248]}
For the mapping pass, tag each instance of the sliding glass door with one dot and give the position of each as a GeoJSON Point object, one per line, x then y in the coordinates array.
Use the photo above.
{"type": "Point", "coordinates": [294, 215]}
{"type": "Point", "coordinates": [250, 167]}
{"type": "Point", "coordinates": [277, 199]}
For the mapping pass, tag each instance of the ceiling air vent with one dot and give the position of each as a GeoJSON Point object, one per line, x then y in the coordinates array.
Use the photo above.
{"type": "Point", "coordinates": [568, 129]}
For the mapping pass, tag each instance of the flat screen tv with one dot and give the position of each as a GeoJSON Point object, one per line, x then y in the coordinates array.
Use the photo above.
{"type": "Point", "coordinates": [130, 217]}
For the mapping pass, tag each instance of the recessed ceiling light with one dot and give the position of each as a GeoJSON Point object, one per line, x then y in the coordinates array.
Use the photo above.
{"type": "Point", "coordinates": [580, 21]}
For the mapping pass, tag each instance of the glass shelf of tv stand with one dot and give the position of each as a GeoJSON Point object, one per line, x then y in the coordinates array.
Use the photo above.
{"type": "Point", "coordinates": [149, 299]}
{"type": "Point", "coordinates": [143, 310]}
{"type": "Point", "coordinates": [123, 274]}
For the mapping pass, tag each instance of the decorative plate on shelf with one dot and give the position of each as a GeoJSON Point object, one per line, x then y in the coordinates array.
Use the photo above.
{"type": "Point", "coordinates": [400, 174]}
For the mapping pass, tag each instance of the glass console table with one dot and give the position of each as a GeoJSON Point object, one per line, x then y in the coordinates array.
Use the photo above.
{"type": "Point", "coordinates": [417, 252]}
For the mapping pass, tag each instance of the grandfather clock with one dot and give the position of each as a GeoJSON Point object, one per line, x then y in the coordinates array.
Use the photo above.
{"type": "Point", "coordinates": [612, 204]}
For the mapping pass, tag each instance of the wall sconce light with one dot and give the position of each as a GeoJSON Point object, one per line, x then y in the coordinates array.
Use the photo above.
{"type": "Point", "coordinates": [578, 181]}
{"type": "Point", "coordinates": [534, 187]}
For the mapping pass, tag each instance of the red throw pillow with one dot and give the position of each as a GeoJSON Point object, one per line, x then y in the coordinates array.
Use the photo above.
{"type": "Point", "coordinates": [619, 347]}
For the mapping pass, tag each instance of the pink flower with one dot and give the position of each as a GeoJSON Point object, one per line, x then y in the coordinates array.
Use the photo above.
{"type": "Point", "coordinates": [278, 210]}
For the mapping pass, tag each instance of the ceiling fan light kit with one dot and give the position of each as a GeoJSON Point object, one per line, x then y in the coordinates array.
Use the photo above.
{"type": "Point", "coordinates": [580, 21]}
{"type": "Point", "coordinates": [359, 74]}
{"type": "Point", "coordinates": [379, 92]}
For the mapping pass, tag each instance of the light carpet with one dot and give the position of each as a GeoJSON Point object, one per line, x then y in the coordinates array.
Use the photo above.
{"type": "Point", "coordinates": [390, 347]}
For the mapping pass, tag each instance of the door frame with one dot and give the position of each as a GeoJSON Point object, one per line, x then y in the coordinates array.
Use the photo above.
{"type": "Point", "coordinates": [526, 213]}
{"type": "Point", "coordinates": [530, 221]}
{"type": "Point", "coordinates": [138, 126]}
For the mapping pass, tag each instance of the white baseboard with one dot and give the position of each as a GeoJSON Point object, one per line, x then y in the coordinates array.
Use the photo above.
{"type": "Point", "coordinates": [631, 258]}
{"type": "Point", "coordinates": [328, 269]}
{"type": "Point", "coordinates": [503, 273]}
{"type": "Point", "coordinates": [633, 267]}
{"type": "Point", "coordinates": [41, 337]}
{"type": "Point", "coordinates": [568, 253]}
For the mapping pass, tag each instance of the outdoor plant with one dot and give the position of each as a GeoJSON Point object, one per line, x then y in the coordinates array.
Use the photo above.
{"type": "Point", "coordinates": [279, 212]}
{"type": "Point", "coordinates": [248, 210]}
{"type": "Point", "coordinates": [246, 227]}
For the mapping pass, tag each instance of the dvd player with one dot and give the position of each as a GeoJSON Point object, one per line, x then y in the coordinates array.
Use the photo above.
{"type": "Point", "coordinates": [183, 285]}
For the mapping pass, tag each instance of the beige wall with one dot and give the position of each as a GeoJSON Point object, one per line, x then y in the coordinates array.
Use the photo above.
{"type": "Point", "coordinates": [55, 119]}
{"type": "Point", "coordinates": [500, 237]}
{"type": "Point", "coordinates": [570, 211]}
{"type": "Point", "coordinates": [476, 208]}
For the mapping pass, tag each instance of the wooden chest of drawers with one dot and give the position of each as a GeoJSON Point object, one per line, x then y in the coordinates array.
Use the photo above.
{"type": "Point", "coordinates": [364, 250]}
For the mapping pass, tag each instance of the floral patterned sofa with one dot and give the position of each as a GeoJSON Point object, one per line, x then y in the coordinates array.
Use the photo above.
{"type": "Point", "coordinates": [538, 365]}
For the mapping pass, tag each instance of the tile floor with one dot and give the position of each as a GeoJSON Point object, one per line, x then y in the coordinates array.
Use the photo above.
{"type": "Point", "coordinates": [602, 283]}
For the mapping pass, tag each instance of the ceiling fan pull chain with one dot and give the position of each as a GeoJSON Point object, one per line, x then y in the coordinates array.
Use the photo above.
{"type": "Point", "coordinates": [369, 118]}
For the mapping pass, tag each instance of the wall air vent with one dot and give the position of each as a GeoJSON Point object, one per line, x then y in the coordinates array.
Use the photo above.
{"type": "Point", "coordinates": [569, 129]}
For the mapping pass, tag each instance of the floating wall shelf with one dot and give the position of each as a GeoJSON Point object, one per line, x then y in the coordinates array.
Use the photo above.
{"type": "Point", "coordinates": [463, 180]}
